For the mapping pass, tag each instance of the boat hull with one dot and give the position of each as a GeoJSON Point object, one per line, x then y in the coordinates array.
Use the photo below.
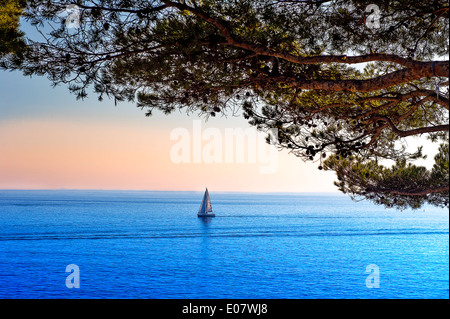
{"type": "Point", "coordinates": [206, 215]}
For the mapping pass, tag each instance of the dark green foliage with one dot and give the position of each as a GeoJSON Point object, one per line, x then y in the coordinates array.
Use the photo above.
{"type": "Point", "coordinates": [401, 185]}
{"type": "Point", "coordinates": [11, 38]}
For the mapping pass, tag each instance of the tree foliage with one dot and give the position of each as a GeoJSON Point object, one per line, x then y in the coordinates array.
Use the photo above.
{"type": "Point", "coordinates": [11, 40]}
{"type": "Point", "coordinates": [345, 86]}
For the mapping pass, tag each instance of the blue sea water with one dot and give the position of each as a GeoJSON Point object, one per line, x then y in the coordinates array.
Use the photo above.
{"type": "Point", "coordinates": [152, 245]}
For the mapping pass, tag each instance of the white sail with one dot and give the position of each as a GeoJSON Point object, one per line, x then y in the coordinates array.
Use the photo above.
{"type": "Point", "coordinates": [205, 207]}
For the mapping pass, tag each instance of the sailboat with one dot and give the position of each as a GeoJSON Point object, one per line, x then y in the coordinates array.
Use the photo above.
{"type": "Point", "coordinates": [205, 208]}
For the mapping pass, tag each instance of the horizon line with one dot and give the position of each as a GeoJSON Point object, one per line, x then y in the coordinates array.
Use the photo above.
{"type": "Point", "coordinates": [162, 190]}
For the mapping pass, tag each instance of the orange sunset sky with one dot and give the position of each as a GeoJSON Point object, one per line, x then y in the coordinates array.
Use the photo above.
{"type": "Point", "coordinates": [48, 140]}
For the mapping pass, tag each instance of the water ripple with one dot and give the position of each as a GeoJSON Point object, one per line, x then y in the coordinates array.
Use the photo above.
{"type": "Point", "coordinates": [121, 236]}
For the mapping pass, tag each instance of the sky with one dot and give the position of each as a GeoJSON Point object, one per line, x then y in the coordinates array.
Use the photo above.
{"type": "Point", "coordinates": [49, 140]}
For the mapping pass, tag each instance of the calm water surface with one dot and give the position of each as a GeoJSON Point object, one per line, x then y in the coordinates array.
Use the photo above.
{"type": "Point", "coordinates": [152, 245]}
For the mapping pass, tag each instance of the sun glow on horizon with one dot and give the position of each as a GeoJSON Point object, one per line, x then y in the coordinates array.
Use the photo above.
{"type": "Point", "coordinates": [62, 153]}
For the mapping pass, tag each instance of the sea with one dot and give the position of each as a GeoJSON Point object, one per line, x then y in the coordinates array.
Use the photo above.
{"type": "Point", "coordinates": [71, 244]}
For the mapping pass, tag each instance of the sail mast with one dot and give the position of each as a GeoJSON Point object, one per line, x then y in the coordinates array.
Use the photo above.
{"type": "Point", "coordinates": [208, 206]}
